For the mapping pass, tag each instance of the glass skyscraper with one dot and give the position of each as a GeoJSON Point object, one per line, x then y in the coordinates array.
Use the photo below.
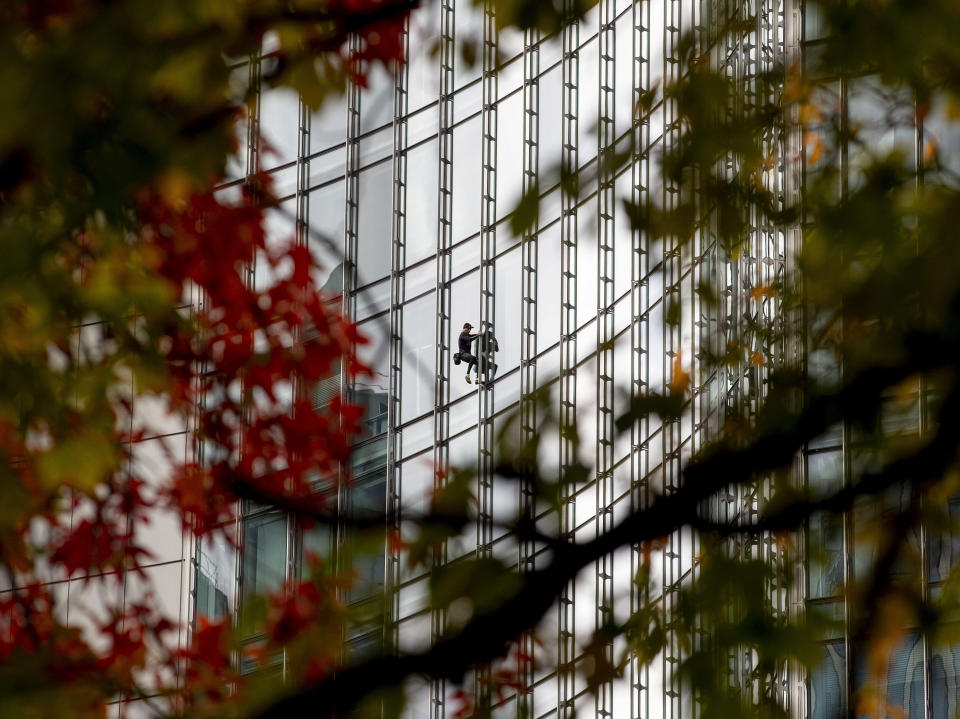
{"type": "Point", "coordinates": [405, 189]}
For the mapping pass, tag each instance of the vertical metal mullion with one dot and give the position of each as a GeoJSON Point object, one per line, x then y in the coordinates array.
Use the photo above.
{"type": "Point", "coordinates": [726, 317]}
{"type": "Point", "coordinates": [793, 178]}
{"type": "Point", "coordinates": [773, 266]}
{"type": "Point", "coordinates": [252, 171]}
{"type": "Point", "coordinates": [302, 240]}
{"type": "Point", "coordinates": [441, 447]}
{"type": "Point", "coordinates": [488, 253]}
{"type": "Point", "coordinates": [398, 254]}
{"type": "Point", "coordinates": [303, 177]}
{"type": "Point", "coordinates": [528, 341]}
{"type": "Point", "coordinates": [567, 650]}
{"type": "Point", "coordinates": [488, 248]}
{"type": "Point", "coordinates": [671, 439]}
{"type": "Point", "coordinates": [606, 208]}
{"type": "Point", "coordinates": [640, 331]}
{"type": "Point", "coordinates": [699, 380]}
{"type": "Point", "coordinates": [253, 117]}
{"type": "Point", "coordinates": [351, 240]}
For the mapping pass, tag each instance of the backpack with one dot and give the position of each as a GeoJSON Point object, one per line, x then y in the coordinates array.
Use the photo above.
{"type": "Point", "coordinates": [456, 358]}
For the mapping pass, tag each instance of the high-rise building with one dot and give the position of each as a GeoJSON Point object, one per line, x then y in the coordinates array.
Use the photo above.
{"type": "Point", "coordinates": [405, 189]}
{"type": "Point", "coordinates": [413, 181]}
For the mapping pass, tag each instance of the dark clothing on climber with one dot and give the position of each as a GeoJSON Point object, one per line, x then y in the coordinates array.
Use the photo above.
{"type": "Point", "coordinates": [467, 339]}
{"type": "Point", "coordinates": [485, 348]}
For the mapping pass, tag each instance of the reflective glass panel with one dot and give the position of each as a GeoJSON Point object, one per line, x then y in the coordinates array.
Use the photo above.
{"type": "Point", "coordinates": [264, 553]}
{"type": "Point", "coordinates": [509, 155]}
{"type": "Point", "coordinates": [466, 179]}
{"type": "Point", "coordinates": [509, 310]}
{"type": "Point", "coordinates": [216, 576]}
{"type": "Point", "coordinates": [469, 38]}
{"type": "Point", "coordinates": [326, 208]}
{"type": "Point", "coordinates": [422, 187]}
{"type": "Point", "coordinates": [944, 684]}
{"type": "Point", "coordinates": [328, 124]}
{"type": "Point", "coordinates": [828, 682]}
{"type": "Point", "coordinates": [280, 124]}
{"type": "Point", "coordinates": [419, 350]}
{"type": "Point", "coordinates": [371, 391]}
{"type": "Point", "coordinates": [376, 199]}
{"type": "Point", "coordinates": [423, 67]}
{"type": "Point", "coordinates": [376, 99]}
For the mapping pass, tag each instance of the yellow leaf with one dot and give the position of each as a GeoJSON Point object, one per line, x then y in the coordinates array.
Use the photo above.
{"type": "Point", "coordinates": [679, 379]}
{"type": "Point", "coordinates": [815, 147]}
{"type": "Point", "coordinates": [82, 461]}
{"type": "Point", "coordinates": [930, 147]}
{"type": "Point", "coordinates": [810, 113]}
{"type": "Point", "coordinates": [765, 290]}
{"type": "Point", "coordinates": [175, 186]}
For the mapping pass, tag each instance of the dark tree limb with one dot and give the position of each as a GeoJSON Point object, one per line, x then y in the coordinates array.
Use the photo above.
{"type": "Point", "coordinates": [779, 435]}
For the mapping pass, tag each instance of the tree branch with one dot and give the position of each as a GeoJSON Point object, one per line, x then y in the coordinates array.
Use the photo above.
{"type": "Point", "coordinates": [778, 436]}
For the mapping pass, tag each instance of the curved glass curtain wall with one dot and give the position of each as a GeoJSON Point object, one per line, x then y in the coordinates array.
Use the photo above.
{"type": "Point", "coordinates": [370, 182]}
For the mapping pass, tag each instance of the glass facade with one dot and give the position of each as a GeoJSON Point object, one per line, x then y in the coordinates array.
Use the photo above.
{"type": "Point", "coordinates": [919, 677]}
{"type": "Point", "coordinates": [405, 191]}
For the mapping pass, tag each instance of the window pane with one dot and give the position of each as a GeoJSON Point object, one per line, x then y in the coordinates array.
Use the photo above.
{"type": "Point", "coordinates": [825, 572]}
{"type": "Point", "coordinates": [944, 685]}
{"type": "Point", "coordinates": [423, 80]}
{"type": "Point", "coordinates": [509, 310]}
{"type": "Point", "coordinates": [373, 299]}
{"type": "Point", "coordinates": [280, 123]}
{"type": "Point", "coordinates": [419, 321]}
{"type": "Point", "coordinates": [588, 97]}
{"type": "Point", "coordinates": [328, 165]}
{"type": "Point", "coordinates": [372, 391]}
{"type": "Point", "coordinates": [264, 553]}
{"type": "Point", "coordinates": [216, 577]}
{"type": "Point", "coordinates": [828, 683]}
{"type": "Point", "coordinates": [548, 287]}
{"type": "Point", "coordinates": [280, 228]}
{"type": "Point", "coordinates": [416, 437]}
{"type": "Point", "coordinates": [328, 125]}
{"type": "Point", "coordinates": [469, 38]}
{"type": "Point", "coordinates": [376, 201]}
{"type": "Point", "coordinates": [586, 298]}
{"type": "Point", "coordinates": [466, 179]}
{"type": "Point", "coordinates": [509, 156]}
{"type": "Point", "coordinates": [944, 547]}
{"type": "Point", "coordinates": [900, 687]}
{"type": "Point", "coordinates": [943, 133]}
{"type": "Point", "coordinates": [376, 99]}
{"type": "Point", "coordinates": [624, 73]}
{"type": "Point", "coordinates": [375, 146]}
{"type": "Point", "coordinates": [368, 499]}
{"type": "Point", "coordinates": [326, 208]}
{"type": "Point", "coordinates": [422, 179]}
{"type": "Point", "coordinates": [551, 115]}
{"type": "Point", "coordinates": [372, 454]}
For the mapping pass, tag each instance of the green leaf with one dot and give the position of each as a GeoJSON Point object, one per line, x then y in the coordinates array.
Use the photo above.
{"type": "Point", "coordinates": [526, 212]}
{"type": "Point", "coordinates": [667, 407]}
{"type": "Point", "coordinates": [82, 461]}
{"type": "Point", "coordinates": [486, 583]}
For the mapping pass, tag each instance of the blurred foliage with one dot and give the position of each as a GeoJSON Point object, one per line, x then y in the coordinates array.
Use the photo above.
{"type": "Point", "coordinates": [121, 117]}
